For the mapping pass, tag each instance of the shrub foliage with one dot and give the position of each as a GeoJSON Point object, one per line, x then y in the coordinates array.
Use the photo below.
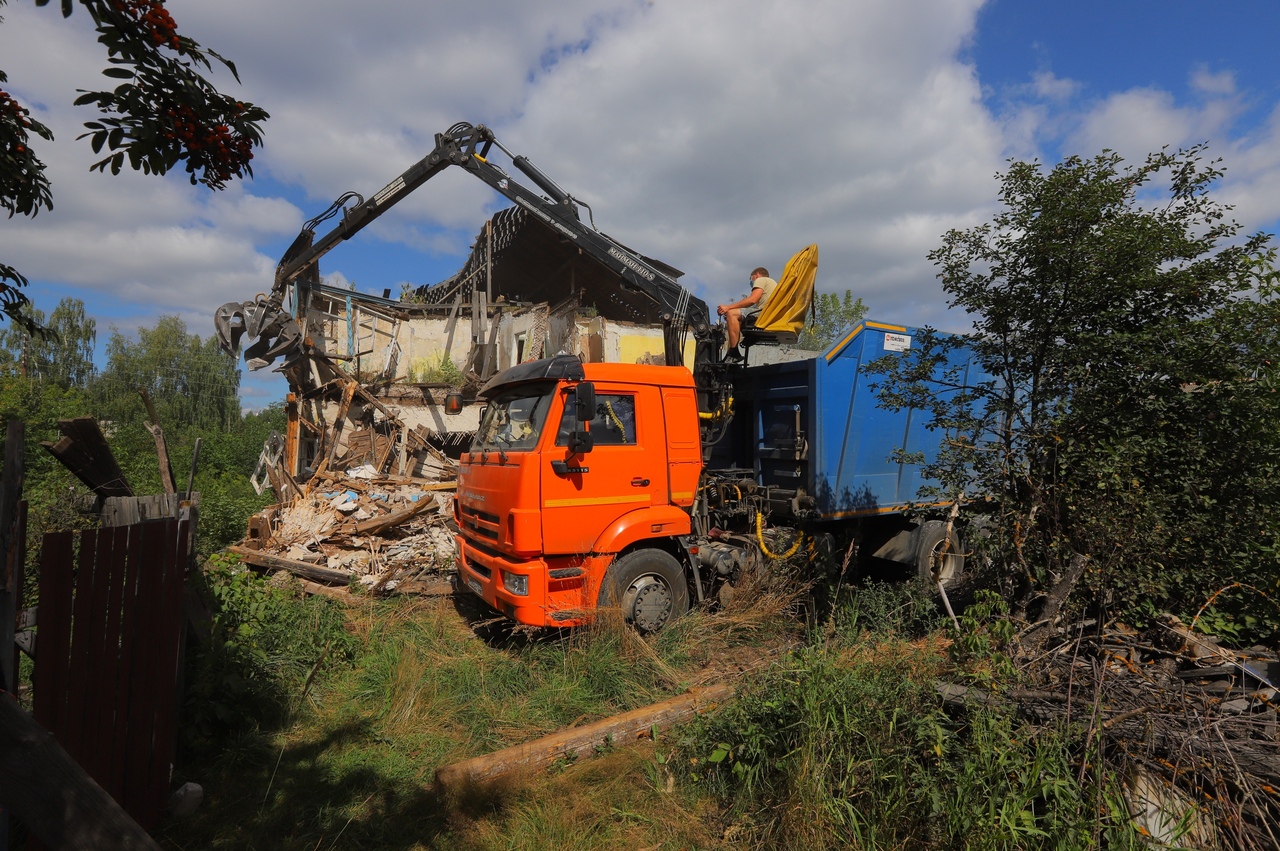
{"type": "Point", "coordinates": [1127, 433]}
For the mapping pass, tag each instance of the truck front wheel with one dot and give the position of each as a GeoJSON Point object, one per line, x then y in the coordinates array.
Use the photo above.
{"type": "Point", "coordinates": [648, 586]}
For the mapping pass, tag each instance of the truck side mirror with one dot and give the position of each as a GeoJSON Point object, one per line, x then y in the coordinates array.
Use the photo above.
{"type": "Point", "coordinates": [453, 402]}
{"type": "Point", "coordinates": [585, 402]}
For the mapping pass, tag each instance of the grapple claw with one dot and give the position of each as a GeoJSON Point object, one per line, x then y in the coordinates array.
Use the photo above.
{"type": "Point", "coordinates": [258, 315]}
{"type": "Point", "coordinates": [270, 328]}
{"type": "Point", "coordinates": [229, 325]}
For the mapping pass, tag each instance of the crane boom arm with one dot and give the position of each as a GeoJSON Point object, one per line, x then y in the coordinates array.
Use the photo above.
{"type": "Point", "coordinates": [468, 147]}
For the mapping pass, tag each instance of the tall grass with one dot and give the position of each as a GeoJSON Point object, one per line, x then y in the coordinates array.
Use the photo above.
{"type": "Point", "coordinates": [430, 683]}
{"type": "Point", "coordinates": [849, 746]}
{"type": "Point", "coordinates": [842, 742]}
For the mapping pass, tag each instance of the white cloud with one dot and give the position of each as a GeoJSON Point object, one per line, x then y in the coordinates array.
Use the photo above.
{"type": "Point", "coordinates": [1252, 181]}
{"type": "Point", "coordinates": [1132, 123]}
{"type": "Point", "coordinates": [714, 135]}
{"type": "Point", "coordinates": [726, 135]}
{"type": "Point", "coordinates": [1051, 87]}
{"type": "Point", "coordinates": [1205, 81]}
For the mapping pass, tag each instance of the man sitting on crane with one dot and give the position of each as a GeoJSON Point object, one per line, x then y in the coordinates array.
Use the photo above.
{"type": "Point", "coordinates": [762, 286]}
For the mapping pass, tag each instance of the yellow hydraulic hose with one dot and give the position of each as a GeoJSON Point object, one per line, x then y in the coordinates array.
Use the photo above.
{"type": "Point", "coordinates": [720, 413]}
{"type": "Point", "coordinates": [764, 548]}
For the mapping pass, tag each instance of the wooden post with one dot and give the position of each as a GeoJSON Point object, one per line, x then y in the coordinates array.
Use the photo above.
{"type": "Point", "coordinates": [292, 434]}
{"type": "Point", "coordinates": [12, 551]}
{"type": "Point", "coordinates": [157, 434]}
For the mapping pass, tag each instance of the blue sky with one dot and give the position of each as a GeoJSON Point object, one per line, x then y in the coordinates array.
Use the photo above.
{"type": "Point", "coordinates": [717, 135]}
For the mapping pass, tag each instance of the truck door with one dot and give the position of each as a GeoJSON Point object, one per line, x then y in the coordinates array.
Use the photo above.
{"type": "Point", "coordinates": [626, 470]}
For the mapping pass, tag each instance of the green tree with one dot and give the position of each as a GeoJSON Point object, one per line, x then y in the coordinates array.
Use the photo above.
{"type": "Point", "coordinates": [63, 354]}
{"type": "Point", "coordinates": [1127, 435]}
{"type": "Point", "coordinates": [160, 112]}
{"type": "Point", "coordinates": [192, 384]}
{"type": "Point", "coordinates": [832, 316]}
{"type": "Point", "coordinates": [194, 387]}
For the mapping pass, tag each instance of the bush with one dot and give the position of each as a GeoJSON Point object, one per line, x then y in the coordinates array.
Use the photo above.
{"type": "Point", "coordinates": [850, 747]}
{"type": "Point", "coordinates": [267, 649]}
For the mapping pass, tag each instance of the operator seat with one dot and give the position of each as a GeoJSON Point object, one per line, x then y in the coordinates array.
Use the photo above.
{"type": "Point", "coordinates": [782, 317]}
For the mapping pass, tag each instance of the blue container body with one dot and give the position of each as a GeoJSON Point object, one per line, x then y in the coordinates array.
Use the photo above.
{"type": "Point", "coordinates": [816, 425]}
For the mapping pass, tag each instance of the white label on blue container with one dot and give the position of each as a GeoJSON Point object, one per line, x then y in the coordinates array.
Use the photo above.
{"type": "Point", "coordinates": [897, 342]}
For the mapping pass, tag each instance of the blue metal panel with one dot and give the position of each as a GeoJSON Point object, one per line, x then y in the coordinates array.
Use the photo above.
{"type": "Point", "coordinates": [784, 413]}
{"type": "Point", "coordinates": [841, 453]}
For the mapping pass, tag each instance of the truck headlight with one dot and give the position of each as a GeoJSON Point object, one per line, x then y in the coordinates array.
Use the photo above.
{"type": "Point", "coordinates": [516, 583]}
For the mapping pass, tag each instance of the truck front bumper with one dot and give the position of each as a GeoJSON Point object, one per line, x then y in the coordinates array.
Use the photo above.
{"type": "Point", "coordinates": [561, 591]}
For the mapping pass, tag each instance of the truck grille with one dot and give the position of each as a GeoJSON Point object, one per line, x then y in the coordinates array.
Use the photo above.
{"type": "Point", "coordinates": [482, 523]}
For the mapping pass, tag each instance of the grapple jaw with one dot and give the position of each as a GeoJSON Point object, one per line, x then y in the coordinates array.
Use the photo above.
{"type": "Point", "coordinates": [228, 324]}
{"type": "Point", "coordinates": [271, 329]}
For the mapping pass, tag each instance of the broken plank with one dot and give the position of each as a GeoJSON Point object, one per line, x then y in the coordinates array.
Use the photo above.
{"type": "Point", "coordinates": [298, 568]}
{"type": "Point", "coordinates": [85, 434]}
{"type": "Point", "coordinates": [375, 525]}
{"type": "Point", "coordinates": [85, 467]}
{"type": "Point", "coordinates": [330, 591]}
{"type": "Point", "coordinates": [581, 741]}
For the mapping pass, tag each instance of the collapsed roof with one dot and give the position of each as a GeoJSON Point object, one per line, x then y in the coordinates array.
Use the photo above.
{"type": "Point", "coordinates": [532, 263]}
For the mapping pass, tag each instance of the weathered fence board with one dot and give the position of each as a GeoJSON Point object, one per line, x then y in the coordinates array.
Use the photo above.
{"type": "Point", "coordinates": [54, 644]}
{"type": "Point", "coordinates": [108, 653]}
{"type": "Point", "coordinates": [127, 510]}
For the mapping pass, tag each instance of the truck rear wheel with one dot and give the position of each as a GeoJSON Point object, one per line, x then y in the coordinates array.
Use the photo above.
{"type": "Point", "coordinates": [648, 586]}
{"type": "Point", "coordinates": [938, 556]}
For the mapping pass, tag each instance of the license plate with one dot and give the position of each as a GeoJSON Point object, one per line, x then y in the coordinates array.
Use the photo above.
{"type": "Point", "coordinates": [475, 586]}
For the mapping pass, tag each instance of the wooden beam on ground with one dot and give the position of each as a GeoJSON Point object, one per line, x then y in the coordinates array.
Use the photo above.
{"type": "Point", "coordinates": [47, 791]}
{"type": "Point", "coordinates": [375, 525]}
{"type": "Point", "coordinates": [330, 591]}
{"type": "Point", "coordinates": [581, 741]}
{"type": "Point", "coordinates": [297, 568]}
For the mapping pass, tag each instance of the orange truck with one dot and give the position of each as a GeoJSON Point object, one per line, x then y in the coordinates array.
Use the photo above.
{"type": "Point", "coordinates": [578, 491]}
{"type": "Point", "coordinates": [596, 484]}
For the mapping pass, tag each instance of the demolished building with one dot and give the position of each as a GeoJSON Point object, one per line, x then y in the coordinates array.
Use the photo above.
{"type": "Point", "coordinates": [370, 381]}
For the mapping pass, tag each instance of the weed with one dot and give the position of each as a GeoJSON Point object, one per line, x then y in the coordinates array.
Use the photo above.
{"type": "Point", "coordinates": [266, 648]}
{"type": "Point", "coordinates": [435, 370]}
{"type": "Point", "coordinates": [849, 746]}
{"type": "Point", "coordinates": [902, 609]}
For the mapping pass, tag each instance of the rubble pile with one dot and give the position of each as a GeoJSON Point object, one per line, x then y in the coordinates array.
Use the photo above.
{"type": "Point", "coordinates": [388, 533]}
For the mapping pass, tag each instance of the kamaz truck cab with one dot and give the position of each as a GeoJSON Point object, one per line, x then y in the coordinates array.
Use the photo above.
{"type": "Point", "coordinates": [576, 492]}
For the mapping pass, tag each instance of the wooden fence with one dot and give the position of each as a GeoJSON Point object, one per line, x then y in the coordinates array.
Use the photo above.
{"type": "Point", "coordinates": [109, 648]}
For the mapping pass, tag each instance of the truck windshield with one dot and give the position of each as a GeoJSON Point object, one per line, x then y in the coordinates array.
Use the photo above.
{"type": "Point", "coordinates": [513, 421]}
